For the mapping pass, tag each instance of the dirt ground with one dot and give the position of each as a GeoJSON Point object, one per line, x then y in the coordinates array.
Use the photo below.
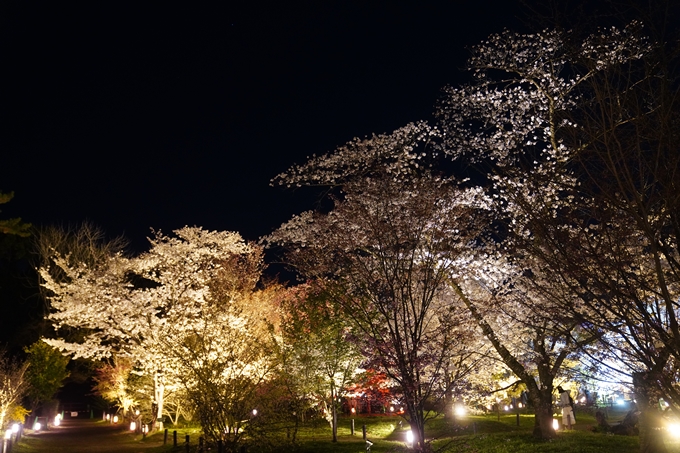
{"type": "Point", "coordinates": [85, 436]}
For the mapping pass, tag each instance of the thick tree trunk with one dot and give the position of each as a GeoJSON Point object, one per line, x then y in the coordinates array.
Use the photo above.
{"type": "Point", "coordinates": [543, 418]}
{"type": "Point", "coordinates": [651, 440]}
{"type": "Point", "coordinates": [417, 424]}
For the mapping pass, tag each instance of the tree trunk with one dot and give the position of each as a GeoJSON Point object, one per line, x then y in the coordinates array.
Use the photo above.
{"type": "Point", "coordinates": [651, 440]}
{"type": "Point", "coordinates": [448, 397]}
{"type": "Point", "coordinates": [543, 413]}
{"type": "Point", "coordinates": [334, 414]}
{"type": "Point", "coordinates": [159, 394]}
{"type": "Point", "coordinates": [417, 424]}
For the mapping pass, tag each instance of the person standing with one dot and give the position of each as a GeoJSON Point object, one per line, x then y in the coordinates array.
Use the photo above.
{"type": "Point", "coordinates": [567, 405]}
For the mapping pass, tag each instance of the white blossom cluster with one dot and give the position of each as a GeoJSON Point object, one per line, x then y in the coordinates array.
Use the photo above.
{"type": "Point", "coordinates": [404, 151]}
{"type": "Point", "coordinates": [155, 307]}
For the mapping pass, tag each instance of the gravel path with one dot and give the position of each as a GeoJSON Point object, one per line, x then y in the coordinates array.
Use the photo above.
{"type": "Point", "coordinates": [86, 436]}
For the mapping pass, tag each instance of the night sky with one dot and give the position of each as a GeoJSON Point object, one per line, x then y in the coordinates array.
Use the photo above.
{"type": "Point", "coordinates": [137, 117]}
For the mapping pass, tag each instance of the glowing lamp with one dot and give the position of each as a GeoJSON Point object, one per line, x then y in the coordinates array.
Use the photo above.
{"type": "Point", "coordinates": [37, 426]}
{"type": "Point", "coordinates": [507, 408]}
{"type": "Point", "coordinates": [409, 437]}
{"type": "Point", "coordinates": [673, 429]}
{"type": "Point", "coordinates": [133, 426]}
{"type": "Point", "coordinates": [556, 424]}
{"type": "Point", "coordinates": [115, 419]}
{"type": "Point", "coordinates": [15, 428]}
{"type": "Point", "coordinates": [459, 410]}
{"type": "Point", "coordinates": [354, 411]}
{"type": "Point", "coordinates": [8, 434]}
{"type": "Point", "coordinates": [254, 412]}
{"type": "Point", "coordinates": [620, 402]}
{"type": "Point", "coordinates": [57, 420]}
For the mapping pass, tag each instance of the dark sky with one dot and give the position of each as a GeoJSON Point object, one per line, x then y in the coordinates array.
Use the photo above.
{"type": "Point", "coordinates": [135, 117]}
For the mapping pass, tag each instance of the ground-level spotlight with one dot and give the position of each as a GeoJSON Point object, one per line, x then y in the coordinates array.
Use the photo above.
{"type": "Point", "coordinates": [133, 426]}
{"type": "Point", "coordinates": [15, 428]}
{"type": "Point", "coordinates": [459, 410]}
{"type": "Point", "coordinates": [673, 429]}
{"type": "Point", "coordinates": [8, 434]}
{"type": "Point", "coordinates": [409, 437]}
{"type": "Point", "coordinates": [37, 426]}
{"type": "Point", "coordinates": [556, 424]}
{"type": "Point", "coordinates": [108, 416]}
{"type": "Point", "coordinates": [254, 412]}
{"type": "Point", "coordinates": [115, 419]}
{"type": "Point", "coordinates": [57, 420]}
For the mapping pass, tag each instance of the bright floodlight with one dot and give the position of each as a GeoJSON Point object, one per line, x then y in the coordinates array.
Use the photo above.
{"type": "Point", "coordinates": [556, 424]}
{"type": "Point", "coordinates": [15, 428]}
{"type": "Point", "coordinates": [115, 419]}
{"type": "Point", "coordinates": [133, 426]}
{"type": "Point", "coordinates": [409, 437]}
{"type": "Point", "coordinates": [673, 429]}
{"type": "Point", "coordinates": [507, 408]}
{"type": "Point", "coordinates": [57, 420]}
{"type": "Point", "coordinates": [459, 410]}
{"type": "Point", "coordinates": [254, 412]}
{"type": "Point", "coordinates": [620, 402]}
{"type": "Point", "coordinates": [8, 434]}
{"type": "Point", "coordinates": [583, 399]}
{"type": "Point", "coordinates": [37, 426]}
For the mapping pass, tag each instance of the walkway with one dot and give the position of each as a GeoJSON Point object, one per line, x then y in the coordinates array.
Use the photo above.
{"type": "Point", "coordinates": [86, 436]}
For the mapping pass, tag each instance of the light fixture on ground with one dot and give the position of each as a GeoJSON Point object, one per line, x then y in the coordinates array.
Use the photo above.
{"type": "Point", "coordinates": [673, 429]}
{"type": "Point", "coordinates": [409, 438]}
{"type": "Point", "coordinates": [133, 426]}
{"type": "Point", "coordinates": [556, 424]}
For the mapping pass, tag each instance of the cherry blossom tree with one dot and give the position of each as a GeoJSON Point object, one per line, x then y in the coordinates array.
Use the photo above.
{"type": "Point", "coordinates": [387, 248]}
{"type": "Point", "coordinates": [578, 137]}
{"type": "Point", "coordinates": [125, 306]}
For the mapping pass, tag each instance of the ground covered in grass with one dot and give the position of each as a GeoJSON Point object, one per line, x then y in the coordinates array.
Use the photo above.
{"type": "Point", "coordinates": [471, 434]}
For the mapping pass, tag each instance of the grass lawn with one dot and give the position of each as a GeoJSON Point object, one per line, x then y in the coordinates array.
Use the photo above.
{"type": "Point", "coordinates": [473, 434]}
{"type": "Point", "coordinates": [485, 433]}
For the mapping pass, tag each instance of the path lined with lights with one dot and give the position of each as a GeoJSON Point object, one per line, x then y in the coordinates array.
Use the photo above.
{"type": "Point", "coordinates": [87, 436]}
